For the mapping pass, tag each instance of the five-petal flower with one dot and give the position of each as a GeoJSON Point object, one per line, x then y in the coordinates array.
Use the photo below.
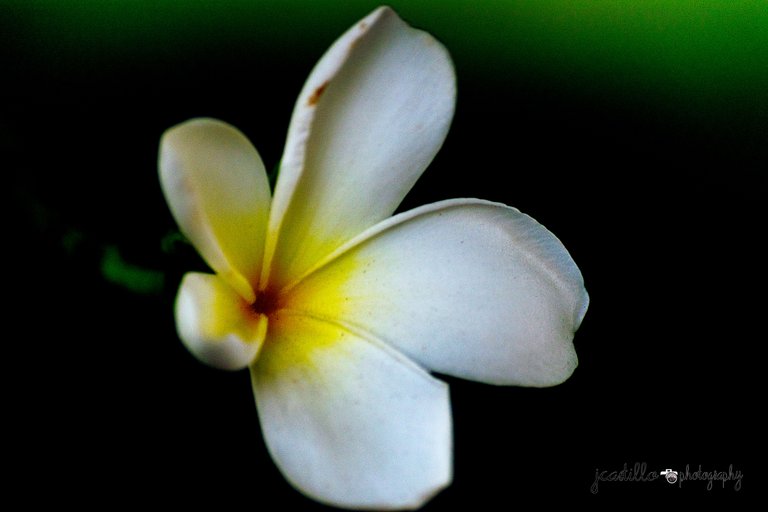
{"type": "Point", "coordinates": [339, 310]}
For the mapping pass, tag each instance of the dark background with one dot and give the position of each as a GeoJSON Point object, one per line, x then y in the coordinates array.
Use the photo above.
{"type": "Point", "coordinates": [657, 203]}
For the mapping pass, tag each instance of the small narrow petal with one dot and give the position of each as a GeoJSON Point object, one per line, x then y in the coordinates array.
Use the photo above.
{"type": "Point", "coordinates": [216, 324]}
{"type": "Point", "coordinates": [217, 189]}
{"type": "Point", "coordinates": [349, 421]}
{"type": "Point", "coordinates": [369, 120]}
{"type": "Point", "coordinates": [467, 288]}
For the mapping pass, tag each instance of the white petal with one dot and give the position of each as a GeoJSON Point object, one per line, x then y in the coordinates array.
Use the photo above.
{"type": "Point", "coordinates": [467, 288]}
{"type": "Point", "coordinates": [217, 189]}
{"type": "Point", "coordinates": [216, 324]}
{"type": "Point", "coordinates": [349, 421]}
{"type": "Point", "coordinates": [369, 120]}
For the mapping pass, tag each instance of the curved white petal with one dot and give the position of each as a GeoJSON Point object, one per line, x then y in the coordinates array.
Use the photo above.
{"type": "Point", "coordinates": [369, 120]}
{"type": "Point", "coordinates": [217, 189]}
{"type": "Point", "coordinates": [349, 421]}
{"type": "Point", "coordinates": [216, 324]}
{"type": "Point", "coordinates": [468, 288]}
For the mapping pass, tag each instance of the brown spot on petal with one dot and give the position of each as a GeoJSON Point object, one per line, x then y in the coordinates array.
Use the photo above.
{"type": "Point", "coordinates": [315, 96]}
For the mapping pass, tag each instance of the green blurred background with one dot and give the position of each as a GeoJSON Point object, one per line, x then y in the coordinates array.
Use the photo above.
{"type": "Point", "coordinates": [635, 130]}
{"type": "Point", "coordinates": [694, 56]}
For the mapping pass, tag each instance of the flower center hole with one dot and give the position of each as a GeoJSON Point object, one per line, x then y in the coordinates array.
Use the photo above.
{"type": "Point", "coordinates": [266, 302]}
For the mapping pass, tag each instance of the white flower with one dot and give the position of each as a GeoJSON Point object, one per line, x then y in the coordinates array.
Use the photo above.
{"type": "Point", "coordinates": [339, 310]}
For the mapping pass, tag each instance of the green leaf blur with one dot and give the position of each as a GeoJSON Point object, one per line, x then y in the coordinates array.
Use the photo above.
{"type": "Point", "coordinates": [691, 52]}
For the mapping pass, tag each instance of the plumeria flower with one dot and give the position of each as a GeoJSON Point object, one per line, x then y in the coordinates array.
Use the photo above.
{"type": "Point", "coordinates": [340, 310]}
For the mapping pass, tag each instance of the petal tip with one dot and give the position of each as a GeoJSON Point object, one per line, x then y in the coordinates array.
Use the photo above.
{"type": "Point", "coordinates": [581, 312]}
{"type": "Point", "coordinates": [206, 313]}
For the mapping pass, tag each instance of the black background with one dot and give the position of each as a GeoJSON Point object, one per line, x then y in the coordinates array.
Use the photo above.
{"type": "Point", "coordinates": [659, 209]}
